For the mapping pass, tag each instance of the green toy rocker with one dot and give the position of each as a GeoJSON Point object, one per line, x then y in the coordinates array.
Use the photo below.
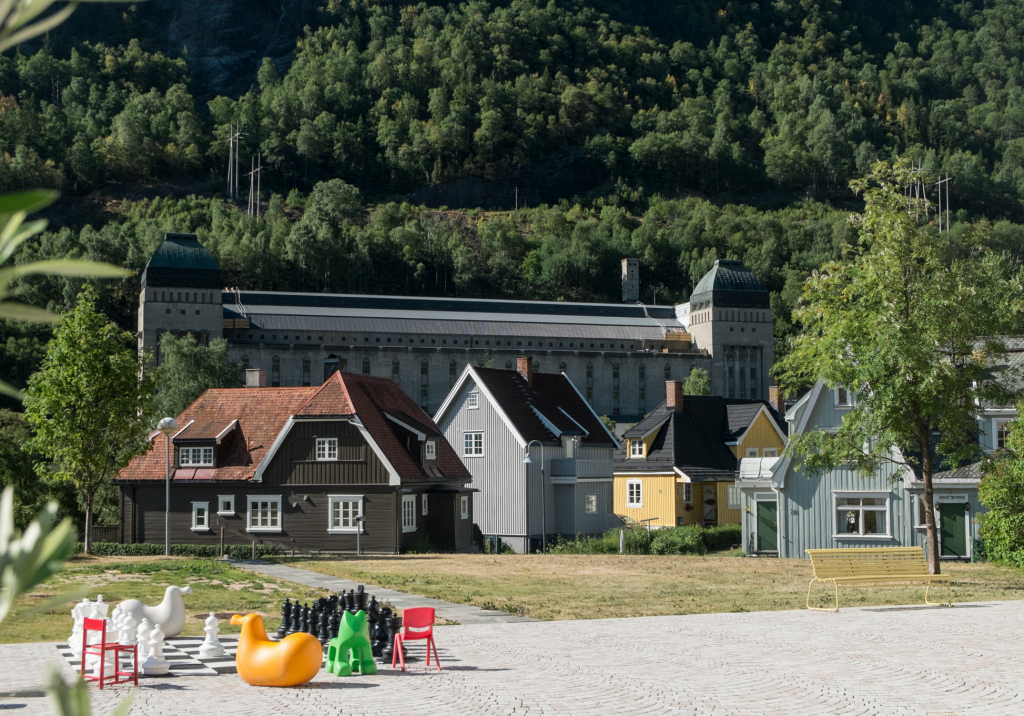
{"type": "Point", "coordinates": [350, 650]}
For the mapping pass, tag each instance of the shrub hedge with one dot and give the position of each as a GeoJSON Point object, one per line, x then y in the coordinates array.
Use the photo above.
{"type": "Point", "coordinates": [199, 551]}
{"type": "Point", "coordinates": [691, 539]}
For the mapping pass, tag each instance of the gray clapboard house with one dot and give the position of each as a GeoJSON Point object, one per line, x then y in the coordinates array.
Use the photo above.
{"type": "Point", "coordinates": [492, 416]}
{"type": "Point", "coordinates": [785, 511]}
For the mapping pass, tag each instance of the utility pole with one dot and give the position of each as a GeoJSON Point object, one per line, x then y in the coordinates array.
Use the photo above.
{"type": "Point", "coordinates": [254, 184]}
{"type": "Point", "coordinates": [231, 155]}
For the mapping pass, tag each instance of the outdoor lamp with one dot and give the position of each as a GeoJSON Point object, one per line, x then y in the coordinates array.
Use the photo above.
{"type": "Point", "coordinates": [360, 519]}
{"type": "Point", "coordinates": [167, 426]}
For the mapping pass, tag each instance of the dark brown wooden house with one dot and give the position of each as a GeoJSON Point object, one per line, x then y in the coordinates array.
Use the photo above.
{"type": "Point", "coordinates": [295, 467]}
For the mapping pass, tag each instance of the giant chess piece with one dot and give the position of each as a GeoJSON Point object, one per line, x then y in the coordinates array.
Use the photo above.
{"type": "Point", "coordinates": [211, 647]}
{"type": "Point", "coordinates": [296, 617]}
{"type": "Point", "coordinates": [97, 610]}
{"type": "Point", "coordinates": [286, 619]}
{"type": "Point", "coordinates": [79, 613]}
{"type": "Point", "coordinates": [142, 638]}
{"type": "Point", "coordinates": [155, 663]}
{"type": "Point", "coordinates": [314, 619]}
{"type": "Point", "coordinates": [305, 617]}
{"type": "Point", "coordinates": [324, 634]}
{"type": "Point", "coordinates": [360, 598]}
{"type": "Point", "coordinates": [333, 624]}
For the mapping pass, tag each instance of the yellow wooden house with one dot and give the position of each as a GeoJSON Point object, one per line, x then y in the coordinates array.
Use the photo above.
{"type": "Point", "coordinates": [679, 465]}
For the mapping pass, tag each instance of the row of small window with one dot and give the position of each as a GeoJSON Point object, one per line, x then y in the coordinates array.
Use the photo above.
{"type": "Point", "coordinates": [189, 297]}
{"type": "Point", "coordinates": [635, 494]}
{"type": "Point", "coordinates": [344, 512]}
{"type": "Point", "coordinates": [703, 316]}
{"type": "Point", "coordinates": [444, 341]}
{"type": "Point", "coordinates": [326, 449]}
{"type": "Point", "coordinates": [637, 448]}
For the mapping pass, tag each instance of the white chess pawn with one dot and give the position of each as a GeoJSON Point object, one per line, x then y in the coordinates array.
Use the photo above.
{"type": "Point", "coordinates": [142, 637]}
{"type": "Point", "coordinates": [96, 611]}
{"type": "Point", "coordinates": [78, 614]}
{"type": "Point", "coordinates": [211, 647]}
{"type": "Point", "coordinates": [127, 635]}
{"type": "Point", "coordinates": [155, 663]}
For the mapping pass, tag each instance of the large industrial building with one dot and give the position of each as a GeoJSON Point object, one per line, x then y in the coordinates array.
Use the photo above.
{"type": "Point", "coordinates": [619, 354]}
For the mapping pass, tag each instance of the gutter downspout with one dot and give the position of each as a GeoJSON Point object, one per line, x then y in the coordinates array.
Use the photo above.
{"type": "Point", "coordinates": [780, 501]}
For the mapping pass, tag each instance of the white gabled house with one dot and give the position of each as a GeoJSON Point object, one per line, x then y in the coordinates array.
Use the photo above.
{"type": "Point", "coordinates": [494, 418]}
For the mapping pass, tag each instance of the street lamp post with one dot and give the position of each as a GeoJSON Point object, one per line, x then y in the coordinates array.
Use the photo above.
{"type": "Point", "coordinates": [360, 519]}
{"type": "Point", "coordinates": [543, 509]}
{"type": "Point", "coordinates": [167, 426]}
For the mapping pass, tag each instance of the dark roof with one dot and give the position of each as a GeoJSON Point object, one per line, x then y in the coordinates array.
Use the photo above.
{"type": "Point", "coordinates": [731, 284]}
{"type": "Point", "coordinates": [263, 412]}
{"type": "Point", "coordinates": [551, 395]}
{"type": "Point", "coordinates": [1009, 370]}
{"type": "Point", "coordinates": [694, 438]}
{"type": "Point", "coordinates": [182, 262]}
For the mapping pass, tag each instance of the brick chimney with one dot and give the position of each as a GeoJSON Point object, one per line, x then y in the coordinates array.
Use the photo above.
{"type": "Point", "coordinates": [776, 400]}
{"type": "Point", "coordinates": [524, 364]}
{"type": "Point", "coordinates": [255, 378]}
{"type": "Point", "coordinates": [674, 394]}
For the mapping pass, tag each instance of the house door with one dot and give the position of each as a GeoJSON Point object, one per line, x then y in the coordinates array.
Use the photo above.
{"type": "Point", "coordinates": [767, 526]}
{"type": "Point", "coordinates": [710, 506]}
{"type": "Point", "coordinates": [953, 529]}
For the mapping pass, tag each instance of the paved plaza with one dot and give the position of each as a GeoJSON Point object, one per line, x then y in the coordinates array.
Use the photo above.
{"type": "Point", "coordinates": [905, 661]}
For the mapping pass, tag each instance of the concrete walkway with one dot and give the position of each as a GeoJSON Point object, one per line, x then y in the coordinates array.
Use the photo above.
{"type": "Point", "coordinates": [893, 661]}
{"type": "Point", "coordinates": [461, 613]}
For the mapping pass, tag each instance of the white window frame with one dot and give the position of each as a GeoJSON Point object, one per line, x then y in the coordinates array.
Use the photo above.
{"type": "Point", "coordinates": [733, 498]}
{"type": "Point", "coordinates": [408, 513]}
{"type": "Point", "coordinates": [586, 503]}
{"type": "Point", "coordinates": [424, 508]}
{"type": "Point", "coordinates": [430, 450]}
{"type": "Point", "coordinates": [333, 500]}
{"type": "Point", "coordinates": [257, 499]}
{"type": "Point", "coordinates": [221, 499]}
{"type": "Point", "coordinates": [843, 396]}
{"type": "Point", "coordinates": [633, 451]}
{"type": "Point", "coordinates": [770, 452]}
{"type": "Point", "coordinates": [887, 510]}
{"type": "Point", "coordinates": [630, 502]}
{"type": "Point", "coordinates": [195, 456]}
{"type": "Point", "coordinates": [752, 452]}
{"type": "Point", "coordinates": [686, 490]}
{"type": "Point", "coordinates": [327, 449]}
{"type": "Point", "coordinates": [999, 425]}
{"type": "Point", "coordinates": [464, 507]}
{"type": "Point", "coordinates": [205, 507]}
{"type": "Point", "coordinates": [472, 449]}
{"type": "Point", "coordinates": [473, 401]}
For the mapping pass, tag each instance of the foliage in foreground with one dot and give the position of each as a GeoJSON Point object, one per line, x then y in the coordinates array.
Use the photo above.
{"type": "Point", "coordinates": [1002, 492]}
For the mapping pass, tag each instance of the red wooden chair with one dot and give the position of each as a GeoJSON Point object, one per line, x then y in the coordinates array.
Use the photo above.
{"type": "Point", "coordinates": [417, 623]}
{"type": "Point", "coordinates": [102, 649]}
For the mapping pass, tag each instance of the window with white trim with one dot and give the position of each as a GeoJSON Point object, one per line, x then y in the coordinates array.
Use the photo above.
{"type": "Point", "coordinates": [200, 516]}
{"type": "Point", "coordinates": [425, 510]}
{"type": "Point", "coordinates": [843, 397]}
{"type": "Point", "coordinates": [860, 514]}
{"type": "Point", "coordinates": [1002, 432]}
{"type": "Point", "coordinates": [342, 511]}
{"type": "Point", "coordinates": [473, 401]}
{"type": "Point", "coordinates": [751, 452]}
{"type": "Point", "coordinates": [195, 457]}
{"type": "Point", "coordinates": [225, 504]}
{"type": "Point", "coordinates": [473, 444]}
{"type": "Point", "coordinates": [590, 504]}
{"type": "Point", "coordinates": [636, 448]}
{"type": "Point", "coordinates": [770, 452]}
{"type": "Point", "coordinates": [408, 513]}
{"type": "Point", "coordinates": [685, 491]}
{"type": "Point", "coordinates": [634, 493]}
{"type": "Point", "coordinates": [430, 450]}
{"type": "Point", "coordinates": [733, 498]}
{"type": "Point", "coordinates": [264, 513]}
{"type": "Point", "coordinates": [327, 448]}
{"type": "Point", "coordinates": [464, 507]}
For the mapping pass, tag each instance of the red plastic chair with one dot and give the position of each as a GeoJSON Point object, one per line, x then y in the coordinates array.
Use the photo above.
{"type": "Point", "coordinates": [417, 623]}
{"type": "Point", "coordinates": [101, 651]}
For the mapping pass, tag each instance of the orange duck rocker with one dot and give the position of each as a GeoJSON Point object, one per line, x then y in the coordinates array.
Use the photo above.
{"type": "Point", "coordinates": [261, 662]}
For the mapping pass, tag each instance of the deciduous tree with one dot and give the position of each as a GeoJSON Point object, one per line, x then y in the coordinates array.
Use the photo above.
{"type": "Point", "coordinates": [189, 369]}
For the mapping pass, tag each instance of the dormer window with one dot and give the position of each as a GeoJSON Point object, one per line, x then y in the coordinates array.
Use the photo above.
{"type": "Point", "coordinates": [430, 450]}
{"type": "Point", "coordinates": [636, 448]}
{"type": "Point", "coordinates": [195, 457]}
{"type": "Point", "coordinates": [327, 448]}
{"type": "Point", "coordinates": [844, 398]}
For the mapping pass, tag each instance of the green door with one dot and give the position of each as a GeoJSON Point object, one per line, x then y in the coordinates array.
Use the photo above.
{"type": "Point", "coordinates": [767, 526]}
{"type": "Point", "coordinates": [953, 536]}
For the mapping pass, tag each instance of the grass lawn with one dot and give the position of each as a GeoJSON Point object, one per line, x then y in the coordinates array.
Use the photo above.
{"type": "Point", "coordinates": [216, 587]}
{"type": "Point", "coordinates": [597, 586]}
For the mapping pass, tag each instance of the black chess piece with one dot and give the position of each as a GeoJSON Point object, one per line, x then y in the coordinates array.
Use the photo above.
{"type": "Point", "coordinates": [350, 600]}
{"type": "Point", "coordinates": [335, 624]}
{"type": "Point", "coordinates": [296, 618]}
{"type": "Point", "coordinates": [304, 626]}
{"type": "Point", "coordinates": [325, 629]}
{"type": "Point", "coordinates": [314, 619]}
{"type": "Point", "coordinates": [286, 619]}
{"type": "Point", "coordinates": [373, 609]}
{"type": "Point", "coordinates": [361, 598]}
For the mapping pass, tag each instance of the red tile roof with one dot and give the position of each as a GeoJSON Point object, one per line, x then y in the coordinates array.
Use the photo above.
{"type": "Point", "coordinates": [263, 412]}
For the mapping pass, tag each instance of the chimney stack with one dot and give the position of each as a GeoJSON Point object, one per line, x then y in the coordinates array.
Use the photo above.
{"type": "Point", "coordinates": [524, 364]}
{"type": "Point", "coordinates": [255, 378]}
{"type": "Point", "coordinates": [674, 394]}
{"type": "Point", "coordinates": [776, 400]}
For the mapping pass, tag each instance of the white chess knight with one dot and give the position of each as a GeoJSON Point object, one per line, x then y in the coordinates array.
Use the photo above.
{"type": "Point", "coordinates": [155, 663]}
{"type": "Point", "coordinates": [211, 645]}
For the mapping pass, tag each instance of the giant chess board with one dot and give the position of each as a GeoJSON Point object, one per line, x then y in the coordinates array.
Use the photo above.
{"type": "Point", "coordinates": [182, 654]}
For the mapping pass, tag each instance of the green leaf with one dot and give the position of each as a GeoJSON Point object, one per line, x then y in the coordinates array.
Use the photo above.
{"type": "Point", "coordinates": [21, 312]}
{"type": "Point", "coordinates": [73, 267]}
{"type": "Point", "coordinates": [27, 201]}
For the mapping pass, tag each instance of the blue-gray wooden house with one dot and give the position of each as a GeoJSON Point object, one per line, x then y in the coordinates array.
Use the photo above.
{"type": "Point", "coordinates": [494, 417]}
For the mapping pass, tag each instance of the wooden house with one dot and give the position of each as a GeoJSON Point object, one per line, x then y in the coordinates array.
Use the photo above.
{"type": "Point", "coordinates": [495, 418]}
{"type": "Point", "coordinates": [679, 465]}
{"type": "Point", "coordinates": [296, 466]}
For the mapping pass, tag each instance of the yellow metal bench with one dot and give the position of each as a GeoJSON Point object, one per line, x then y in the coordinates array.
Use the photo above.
{"type": "Point", "coordinates": [873, 567]}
